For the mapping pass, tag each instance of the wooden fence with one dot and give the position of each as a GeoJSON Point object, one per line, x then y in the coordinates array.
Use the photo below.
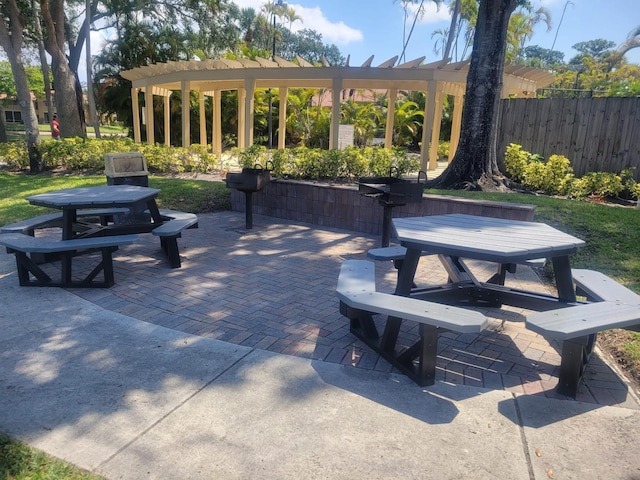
{"type": "Point", "coordinates": [596, 134]}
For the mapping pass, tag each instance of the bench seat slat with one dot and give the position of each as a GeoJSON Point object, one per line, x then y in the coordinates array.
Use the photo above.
{"type": "Point", "coordinates": [174, 227]}
{"type": "Point", "coordinates": [356, 276]}
{"type": "Point", "coordinates": [29, 244]}
{"type": "Point", "coordinates": [29, 224]}
{"type": "Point", "coordinates": [357, 289]}
{"type": "Point", "coordinates": [600, 287]}
{"type": "Point", "coordinates": [430, 313]}
{"type": "Point", "coordinates": [579, 320]}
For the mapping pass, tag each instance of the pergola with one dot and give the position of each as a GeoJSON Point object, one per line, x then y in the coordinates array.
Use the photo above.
{"type": "Point", "coordinates": [211, 77]}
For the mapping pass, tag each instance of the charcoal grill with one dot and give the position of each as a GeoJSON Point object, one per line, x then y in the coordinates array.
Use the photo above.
{"type": "Point", "coordinates": [248, 181]}
{"type": "Point", "coordinates": [391, 192]}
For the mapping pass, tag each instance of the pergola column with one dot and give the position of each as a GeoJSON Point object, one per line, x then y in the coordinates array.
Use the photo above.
{"type": "Point", "coordinates": [283, 93]}
{"type": "Point", "coordinates": [203, 119]}
{"type": "Point", "coordinates": [186, 117]}
{"type": "Point", "coordinates": [242, 95]}
{"type": "Point", "coordinates": [391, 115]}
{"type": "Point", "coordinates": [167, 119]}
{"type": "Point", "coordinates": [435, 129]}
{"type": "Point", "coordinates": [249, 100]}
{"type": "Point", "coordinates": [336, 88]}
{"type": "Point", "coordinates": [456, 124]}
{"type": "Point", "coordinates": [427, 126]}
{"type": "Point", "coordinates": [148, 108]}
{"type": "Point", "coordinates": [216, 122]}
{"type": "Point", "coordinates": [136, 115]}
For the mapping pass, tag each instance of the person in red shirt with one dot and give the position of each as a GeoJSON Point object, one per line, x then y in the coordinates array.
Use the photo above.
{"type": "Point", "coordinates": [55, 128]}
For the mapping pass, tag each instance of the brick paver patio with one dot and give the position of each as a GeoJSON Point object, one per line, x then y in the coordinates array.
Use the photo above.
{"type": "Point", "coordinates": [273, 288]}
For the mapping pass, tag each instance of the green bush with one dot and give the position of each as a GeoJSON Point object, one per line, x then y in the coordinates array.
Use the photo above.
{"type": "Point", "coordinates": [515, 161]}
{"type": "Point", "coordinates": [443, 150]}
{"type": "Point", "coordinates": [555, 176]}
{"type": "Point", "coordinates": [552, 177]}
{"type": "Point", "coordinates": [14, 155]}
{"type": "Point", "coordinates": [603, 184]}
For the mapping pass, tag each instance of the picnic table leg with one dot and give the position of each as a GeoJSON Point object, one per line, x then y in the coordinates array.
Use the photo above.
{"type": "Point", "coordinates": [575, 354]}
{"type": "Point", "coordinates": [564, 279]}
{"type": "Point", "coordinates": [407, 272]}
{"type": "Point", "coordinates": [69, 218]}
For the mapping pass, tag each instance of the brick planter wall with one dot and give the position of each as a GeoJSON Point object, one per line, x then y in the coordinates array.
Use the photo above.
{"type": "Point", "coordinates": [341, 206]}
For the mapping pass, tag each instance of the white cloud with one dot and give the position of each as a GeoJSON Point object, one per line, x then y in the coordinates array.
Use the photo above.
{"type": "Point", "coordinates": [332, 32]}
{"type": "Point", "coordinates": [432, 13]}
{"type": "Point", "coordinates": [314, 19]}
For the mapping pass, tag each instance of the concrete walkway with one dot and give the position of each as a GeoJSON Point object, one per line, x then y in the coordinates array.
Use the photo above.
{"type": "Point", "coordinates": [239, 365]}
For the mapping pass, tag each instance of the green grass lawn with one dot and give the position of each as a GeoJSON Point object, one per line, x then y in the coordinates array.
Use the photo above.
{"type": "Point", "coordinates": [15, 131]}
{"type": "Point", "coordinates": [611, 233]}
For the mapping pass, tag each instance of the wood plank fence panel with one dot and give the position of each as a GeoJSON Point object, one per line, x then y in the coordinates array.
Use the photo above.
{"type": "Point", "coordinates": [596, 134]}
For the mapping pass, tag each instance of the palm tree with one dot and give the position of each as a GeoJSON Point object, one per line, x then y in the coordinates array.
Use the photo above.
{"type": "Point", "coordinates": [521, 27]}
{"type": "Point", "coordinates": [407, 123]}
{"type": "Point", "coordinates": [419, 13]}
{"type": "Point", "coordinates": [247, 21]}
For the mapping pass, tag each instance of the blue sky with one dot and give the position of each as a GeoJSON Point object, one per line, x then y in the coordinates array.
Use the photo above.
{"type": "Point", "coordinates": [361, 28]}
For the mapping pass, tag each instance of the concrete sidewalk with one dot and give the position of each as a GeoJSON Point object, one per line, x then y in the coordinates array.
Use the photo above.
{"type": "Point", "coordinates": [129, 399]}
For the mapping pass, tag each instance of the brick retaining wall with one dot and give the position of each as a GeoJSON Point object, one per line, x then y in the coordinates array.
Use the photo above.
{"type": "Point", "coordinates": [341, 206]}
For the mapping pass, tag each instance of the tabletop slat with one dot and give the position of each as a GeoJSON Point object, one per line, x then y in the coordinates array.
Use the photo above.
{"type": "Point", "coordinates": [484, 238]}
{"type": "Point", "coordinates": [91, 197]}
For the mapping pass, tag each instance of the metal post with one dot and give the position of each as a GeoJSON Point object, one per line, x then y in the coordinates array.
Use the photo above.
{"type": "Point", "coordinates": [386, 225]}
{"type": "Point", "coordinates": [248, 210]}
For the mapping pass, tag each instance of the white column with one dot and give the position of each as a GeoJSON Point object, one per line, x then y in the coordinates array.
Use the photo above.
{"type": "Point", "coordinates": [216, 141]}
{"type": "Point", "coordinates": [335, 113]}
{"type": "Point", "coordinates": [391, 115]}
{"type": "Point", "coordinates": [203, 120]}
{"type": "Point", "coordinates": [167, 120]}
{"type": "Point", "coordinates": [242, 95]}
{"type": "Point", "coordinates": [135, 107]}
{"type": "Point", "coordinates": [283, 93]}
{"type": "Point", "coordinates": [435, 130]}
{"type": "Point", "coordinates": [186, 110]}
{"type": "Point", "coordinates": [429, 113]}
{"type": "Point", "coordinates": [148, 108]}
{"type": "Point", "coordinates": [249, 86]}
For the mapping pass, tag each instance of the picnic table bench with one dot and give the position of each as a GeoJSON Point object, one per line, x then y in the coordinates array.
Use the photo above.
{"type": "Point", "coordinates": [21, 244]}
{"type": "Point", "coordinates": [54, 219]}
{"type": "Point", "coordinates": [171, 230]}
{"type": "Point", "coordinates": [577, 325]}
{"type": "Point", "coordinates": [359, 300]}
{"type": "Point", "coordinates": [397, 253]}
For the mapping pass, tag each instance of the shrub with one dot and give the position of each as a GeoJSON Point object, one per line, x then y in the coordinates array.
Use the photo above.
{"type": "Point", "coordinates": [552, 177]}
{"type": "Point", "coordinates": [15, 155]}
{"type": "Point", "coordinates": [605, 184]}
{"type": "Point", "coordinates": [515, 161]}
{"type": "Point", "coordinates": [443, 150]}
{"type": "Point", "coordinates": [555, 176]}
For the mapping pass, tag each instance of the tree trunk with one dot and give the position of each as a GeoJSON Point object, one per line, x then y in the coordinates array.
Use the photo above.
{"type": "Point", "coordinates": [11, 41]}
{"type": "Point", "coordinates": [3, 126]}
{"type": "Point", "coordinates": [68, 94]}
{"type": "Point", "coordinates": [44, 65]}
{"type": "Point", "coordinates": [474, 165]}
